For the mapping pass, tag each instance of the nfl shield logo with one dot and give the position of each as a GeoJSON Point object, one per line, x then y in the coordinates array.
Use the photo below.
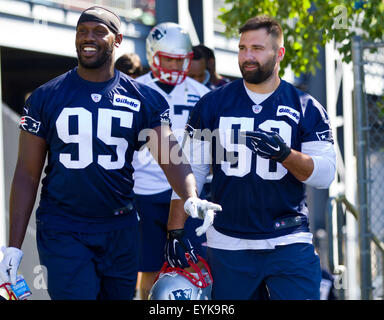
{"type": "Point", "coordinates": [256, 108]}
{"type": "Point", "coordinates": [96, 97]}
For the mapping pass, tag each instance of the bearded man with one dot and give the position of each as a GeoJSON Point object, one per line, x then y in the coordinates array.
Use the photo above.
{"type": "Point", "coordinates": [269, 140]}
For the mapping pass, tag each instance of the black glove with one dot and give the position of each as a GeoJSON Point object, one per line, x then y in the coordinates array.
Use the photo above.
{"type": "Point", "coordinates": [268, 144]}
{"type": "Point", "coordinates": [176, 247]}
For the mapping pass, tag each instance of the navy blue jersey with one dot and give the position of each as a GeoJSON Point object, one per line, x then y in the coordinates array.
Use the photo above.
{"type": "Point", "coordinates": [92, 130]}
{"type": "Point", "coordinates": [259, 197]}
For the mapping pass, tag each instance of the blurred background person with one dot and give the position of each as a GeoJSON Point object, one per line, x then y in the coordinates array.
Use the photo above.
{"type": "Point", "coordinates": [198, 70]}
{"type": "Point", "coordinates": [130, 64]}
{"type": "Point", "coordinates": [215, 79]}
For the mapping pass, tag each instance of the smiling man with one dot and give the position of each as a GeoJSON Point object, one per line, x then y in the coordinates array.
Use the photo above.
{"type": "Point", "coordinates": [97, 33]}
{"type": "Point", "coordinates": [87, 121]}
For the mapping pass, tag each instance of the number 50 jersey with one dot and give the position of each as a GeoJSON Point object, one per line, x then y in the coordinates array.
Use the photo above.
{"type": "Point", "coordinates": [92, 130]}
{"type": "Point", "coordinates": [260, 198]}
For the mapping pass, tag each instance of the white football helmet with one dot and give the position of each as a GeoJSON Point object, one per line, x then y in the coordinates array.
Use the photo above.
{"type": "Point", "coordinates": [169, 40]}
{"type": "Point", "coordinates": [178, 284]}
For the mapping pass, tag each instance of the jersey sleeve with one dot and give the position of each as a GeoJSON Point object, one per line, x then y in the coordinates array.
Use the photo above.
{"type": "Point", "coordinates": [198, 120]}
{"type": "Point", "coordinates": [317, 141]}
{"type": "Point", "coordinates": [315, 124]}
{"type": "Point", "coordinates": [196, 145]}
{"type": "Point", "coordinates": [158, 112]}
{"type": "Point", "coordinates": [32, 116]}
{"type": "Point", "coordinates": [155, 113]}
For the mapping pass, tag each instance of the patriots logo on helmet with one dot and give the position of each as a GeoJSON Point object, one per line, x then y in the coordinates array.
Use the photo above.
{"type": "Point", "coordinates": [157, 34]}
{"type": "Point", "coordinates": [30, 124]}
{"type": "Point", "coordinates": [170, 41]}
{"type": "Point", "coordinates": [182, 294]}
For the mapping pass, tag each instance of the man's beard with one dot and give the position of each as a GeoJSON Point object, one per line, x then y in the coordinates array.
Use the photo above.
{"type": "Point", "coordinates": [260, 74]}
{"type": "Point", "coordinates": [105, 56]}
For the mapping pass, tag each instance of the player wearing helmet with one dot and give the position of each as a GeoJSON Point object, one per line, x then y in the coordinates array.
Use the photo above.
{"type": "Point", "coordinates": [169, 42]}
{"type": "Point", "coordinates": [169, 54]}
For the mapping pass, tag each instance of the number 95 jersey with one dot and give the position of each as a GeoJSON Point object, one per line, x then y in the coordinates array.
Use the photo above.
{"type": "Point", "coordinates": [92, 130]}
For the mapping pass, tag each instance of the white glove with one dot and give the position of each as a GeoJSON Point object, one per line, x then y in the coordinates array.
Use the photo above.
{"type": "Point", "coordinates": [201, 209]}
{"type": "Point", "coordinates": [10, 264]}
{"type": "Point", "coordinates": [208, 221]}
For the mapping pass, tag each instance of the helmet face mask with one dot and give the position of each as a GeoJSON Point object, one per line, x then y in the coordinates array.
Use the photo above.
{"type": "Point", "coordinates": [169, 41]}
{"type": "Point", "coordinates": [6, 292]}
{"type": "Point", "coordinates": [179, 284]}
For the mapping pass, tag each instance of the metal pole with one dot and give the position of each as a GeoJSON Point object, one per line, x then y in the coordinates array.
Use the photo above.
{"type": "Point", "coordinates": [361, 157]}
{"type": "Point", "coordinates": [329, 228]}
{"type": "Point", "coordinates": [3, 211]}
{"type": "Point", "coordinates": [340, 242]}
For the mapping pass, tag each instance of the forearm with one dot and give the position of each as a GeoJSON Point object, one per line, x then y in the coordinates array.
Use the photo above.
{"type": "Point", "coordinates": [22, 199]}
{"type": "Point", "coordinates": [30, 163]}
{"type": "Point", "coordinates": [324, 161]}
{"type": "Point", "coordinates": [177, 215]}
{"type": "Point", "coordinates": [168, 154]}
{"type": "Point", "coordinates": [299, 164]}
{"type": "Point", "coordinates": [181, 179]}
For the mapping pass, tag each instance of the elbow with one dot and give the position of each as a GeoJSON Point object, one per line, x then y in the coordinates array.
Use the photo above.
{"type": "Point", "coordinates": [323, 173]}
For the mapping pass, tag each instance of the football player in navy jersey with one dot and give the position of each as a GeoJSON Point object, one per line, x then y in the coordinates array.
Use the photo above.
{"type": "Point", "coordinates": [169, 54]}
{"type": "Point", "coordinates": [88, 122]}
{"type": "Point", "coordinates": [267, 141]}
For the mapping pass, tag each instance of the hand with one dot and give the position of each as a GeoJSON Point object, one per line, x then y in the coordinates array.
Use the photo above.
{"type": "Point", "coordinates": [10, 264]}
{"type": "Point", "coordinates": [202, 209]}
{"type": "Point", "coordinates": [268, 144]}
{"type": "Point", "coordinates": [176, 247]}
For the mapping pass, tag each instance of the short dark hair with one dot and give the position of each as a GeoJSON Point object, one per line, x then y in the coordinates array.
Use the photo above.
{"type": "Point", "coordinates": [197, 53]}
{"type": "Point", "coordinates": [271, 25]}
{"type": "Point", "coordinates": [207, 52]}
{"type": "Point", "coordinates": [130, 64]}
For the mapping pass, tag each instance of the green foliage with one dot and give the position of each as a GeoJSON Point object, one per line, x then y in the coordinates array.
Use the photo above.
{"type": "Point", "coordinates": [309, 25]}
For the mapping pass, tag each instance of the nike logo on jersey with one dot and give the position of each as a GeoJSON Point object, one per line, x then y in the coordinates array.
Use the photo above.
{"type": "Point", "coordinates": [127, 102]}
{"type": "Point", "coordinates": [289, 112]}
